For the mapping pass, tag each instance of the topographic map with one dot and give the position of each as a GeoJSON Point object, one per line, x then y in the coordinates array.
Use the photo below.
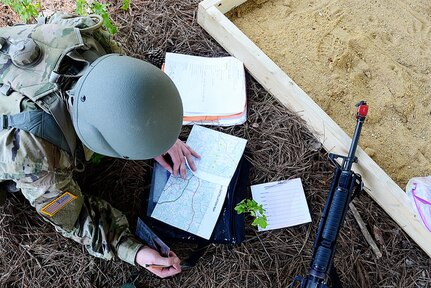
{"type": "Point", "coordinates": [194, 204]}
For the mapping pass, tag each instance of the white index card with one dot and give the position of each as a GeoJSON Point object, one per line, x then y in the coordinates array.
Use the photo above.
{"type": "Point", "coordinates": [284, 203]}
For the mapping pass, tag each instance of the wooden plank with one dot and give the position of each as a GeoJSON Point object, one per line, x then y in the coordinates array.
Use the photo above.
{"type": "Point", "coordinates": [222, 6]}
{"type": "Point", "coordinates": [378, 184]}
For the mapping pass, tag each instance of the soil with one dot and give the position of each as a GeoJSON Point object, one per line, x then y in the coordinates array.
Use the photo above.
{"type": "Point", "coordinates": [341, 52]}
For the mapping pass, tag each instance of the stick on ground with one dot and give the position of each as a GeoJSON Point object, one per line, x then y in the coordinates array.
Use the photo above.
{"type": "Point", "coordinates": [364, 230]}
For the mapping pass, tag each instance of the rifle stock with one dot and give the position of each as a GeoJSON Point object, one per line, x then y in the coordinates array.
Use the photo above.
{"type": "Point", "coordinates": [345, 185]}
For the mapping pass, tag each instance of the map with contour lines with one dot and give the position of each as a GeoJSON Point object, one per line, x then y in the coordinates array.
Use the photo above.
{"type": "Point", "coordinates": [194, 204]}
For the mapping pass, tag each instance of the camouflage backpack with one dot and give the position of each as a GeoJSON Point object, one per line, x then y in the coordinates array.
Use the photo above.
{"type": "Point", "coordinates": [39, 63]}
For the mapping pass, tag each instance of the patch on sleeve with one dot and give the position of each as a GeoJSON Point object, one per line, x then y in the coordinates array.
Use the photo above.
{"type": "Point", "coordinates": [57, 204]}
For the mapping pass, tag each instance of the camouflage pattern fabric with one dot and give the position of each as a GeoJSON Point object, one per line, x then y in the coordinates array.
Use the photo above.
{"type": "Point", "coordinates": [101, 36]}
{"type": "Point", "coordinates": [41, 170]}
{"type": "Point", "coordinates": [55, 39]}
{"type": "Point", "coordinates": [34, 82]}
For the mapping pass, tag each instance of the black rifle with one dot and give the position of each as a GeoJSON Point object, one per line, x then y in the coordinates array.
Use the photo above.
{"type": "Point", "coordinates": [345, 185]}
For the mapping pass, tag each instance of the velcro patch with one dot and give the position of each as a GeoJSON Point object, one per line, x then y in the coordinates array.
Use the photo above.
{"type": "Point", "coordinates": [57, 204]}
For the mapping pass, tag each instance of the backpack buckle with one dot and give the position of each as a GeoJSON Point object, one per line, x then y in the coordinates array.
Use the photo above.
{"type": "Point", "coordinates": [5, 89]}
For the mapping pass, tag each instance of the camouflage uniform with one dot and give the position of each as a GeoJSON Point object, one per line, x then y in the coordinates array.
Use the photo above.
{"type": "Point", "coordinates": [43, 172]}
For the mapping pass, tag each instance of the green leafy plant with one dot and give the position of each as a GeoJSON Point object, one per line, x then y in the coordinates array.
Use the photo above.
{"type": "Point", "coordinates": [125, 6]}
{"type": "Point", "coordinates": [254, 209]}
{"type": "Point", "coordinates": [96, 158]}
{"type": "Point", "coordinates": [26, 9]}
{"type": "Point", "coordinates": [82, 7]}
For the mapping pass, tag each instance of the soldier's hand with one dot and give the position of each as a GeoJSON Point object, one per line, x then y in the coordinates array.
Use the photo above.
{"type": "Point", "coordinates": [157, 264]}
{"type": "Point", "coordinates": [178, 153]}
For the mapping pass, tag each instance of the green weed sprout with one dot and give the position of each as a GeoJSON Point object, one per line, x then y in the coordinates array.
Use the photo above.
{"type": "Point", "coordinates": [254, 209]}
{"type": "Point", "coordinates": [96, 158]}
{"type": "Point", "coordinates": [26, 9]}
{"type": "Point", "coordinates": [125, 6]}
{"type": "Point", "coordinates": [82, 6]}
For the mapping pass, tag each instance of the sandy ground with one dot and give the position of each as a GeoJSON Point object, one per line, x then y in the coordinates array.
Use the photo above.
{"type": "Point", "coordinates": [340, 52]}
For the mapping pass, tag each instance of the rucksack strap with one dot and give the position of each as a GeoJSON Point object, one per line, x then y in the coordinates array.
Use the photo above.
{"type": "Point", "coordinates": [40, 124]}
{"type": "Point", "coordinates": [58, 110]}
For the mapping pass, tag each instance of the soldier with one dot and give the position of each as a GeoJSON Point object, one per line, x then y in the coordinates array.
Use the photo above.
{"type": "Point", "coordinates": [60, 80]}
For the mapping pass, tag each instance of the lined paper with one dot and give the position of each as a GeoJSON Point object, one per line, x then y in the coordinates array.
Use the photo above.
{"type": "Point", "coordinates": [208, 86]}
{"type": "Point", "coordinates": [284, 203]}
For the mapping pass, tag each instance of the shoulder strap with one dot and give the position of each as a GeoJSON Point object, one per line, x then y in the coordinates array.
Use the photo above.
{"type": "Point", "coordinates": [59, 113]}
{"type": "Point", "coordinates": [39, 123]}
{"type": "Point", "coordinates": [59, 38]}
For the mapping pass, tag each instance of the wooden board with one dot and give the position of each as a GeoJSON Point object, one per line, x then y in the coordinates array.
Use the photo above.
{"type": "Point", "coordinates": [378, 184]}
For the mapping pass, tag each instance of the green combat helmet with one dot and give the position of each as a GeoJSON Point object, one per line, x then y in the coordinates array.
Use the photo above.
{"type": "Point", "coordinates": [126, 108]}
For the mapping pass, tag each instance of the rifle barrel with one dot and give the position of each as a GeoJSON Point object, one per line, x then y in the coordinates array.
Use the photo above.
{"type": "Point", "coordinates": [334, 212]}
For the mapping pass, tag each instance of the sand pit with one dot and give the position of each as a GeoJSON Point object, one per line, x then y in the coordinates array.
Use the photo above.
{"type": "Point", "coordinates": [340, 52]}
